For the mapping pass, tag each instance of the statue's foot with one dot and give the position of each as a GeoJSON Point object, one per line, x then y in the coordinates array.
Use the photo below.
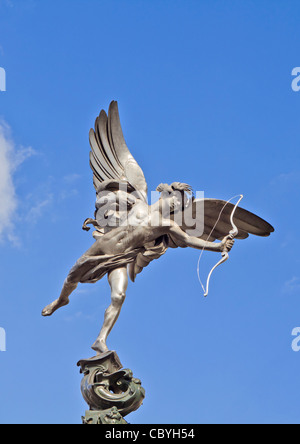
{"type": "Point", "coordinates": [100, 346]}
{"type": "Point", "coordinates": [51, 308]}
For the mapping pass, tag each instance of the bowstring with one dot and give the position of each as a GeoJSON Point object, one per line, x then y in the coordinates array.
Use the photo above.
{"type": "Point", "coordinates": [206, 240]}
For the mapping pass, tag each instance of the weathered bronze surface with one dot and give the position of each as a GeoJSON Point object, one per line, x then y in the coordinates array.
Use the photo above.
{"type": "Point", "coordinates": [129, 233]}
{"type": "Point", "coordinates": [110, 391]}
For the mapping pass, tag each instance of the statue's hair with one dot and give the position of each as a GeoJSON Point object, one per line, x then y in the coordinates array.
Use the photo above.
{"type": "Point", "coordinates": [175, 186]}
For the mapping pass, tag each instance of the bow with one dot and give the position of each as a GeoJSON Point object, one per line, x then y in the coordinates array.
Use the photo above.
{"type": "Point", "coordinates": [232, 234]}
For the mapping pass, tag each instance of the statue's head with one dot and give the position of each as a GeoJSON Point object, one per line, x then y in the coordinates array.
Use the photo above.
{"type": "Point", "coordinates": [173, 197]}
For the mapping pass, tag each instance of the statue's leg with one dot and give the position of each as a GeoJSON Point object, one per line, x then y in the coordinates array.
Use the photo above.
{"type": "Point", "coordinates": [63, 299]}
{"type": "Point", "coordinates": [118, 281]}
{"type": "Point", "coordinates": [75, 275]}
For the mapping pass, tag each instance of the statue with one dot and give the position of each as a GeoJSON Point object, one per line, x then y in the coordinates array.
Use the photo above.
{"type": "Point", "coordinates": [129, 233]}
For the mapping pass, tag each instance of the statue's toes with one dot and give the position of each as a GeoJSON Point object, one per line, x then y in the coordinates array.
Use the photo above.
{"type": "Point", "coordinates": [47, 311]}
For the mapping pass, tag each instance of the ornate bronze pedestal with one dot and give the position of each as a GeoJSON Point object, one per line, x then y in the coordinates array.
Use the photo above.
{"type": "Point", "coordinates": [110, 391]}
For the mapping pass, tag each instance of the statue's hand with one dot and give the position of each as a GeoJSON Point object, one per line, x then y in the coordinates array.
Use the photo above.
{"type": "Point", "coordinates": [226, 244]}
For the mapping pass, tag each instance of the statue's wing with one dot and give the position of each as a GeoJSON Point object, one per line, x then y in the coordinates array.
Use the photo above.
{"type": "Point", "coordinates": [110, 159]}
{"type": "Point", "coordinates": [208, 211]}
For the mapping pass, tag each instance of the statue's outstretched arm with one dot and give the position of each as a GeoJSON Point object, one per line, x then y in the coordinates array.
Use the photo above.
{"type": "Point", "coordinates": [193, 242]}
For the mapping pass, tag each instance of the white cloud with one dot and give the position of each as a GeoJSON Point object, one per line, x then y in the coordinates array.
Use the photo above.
{"type": "Point", "coordinates": [36, 211]}
{"type": "Point", "coordinates": [71, 178]}
{"type": "Point", "coordinates": [290, 178]}
{"type": "Point", "coordinates": [10, 159]}
{"type": "Point", "coordinates": [292, 285]}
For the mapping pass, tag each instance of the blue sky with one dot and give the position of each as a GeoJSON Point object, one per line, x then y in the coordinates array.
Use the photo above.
{"type": "Point", "coordinates": [205, 97]}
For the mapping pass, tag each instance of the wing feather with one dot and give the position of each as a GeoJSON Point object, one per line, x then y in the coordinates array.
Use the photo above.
{"type": "Point", "coordinates": [96, 182]}
{"type": "Point", "coordinates": [214, 229]}
{"type": "Point", "coordinates": [98, 173]}
{"type": "Point", "coordinates": [100, 158]}
{"type": "Point", "coordinates": [110, 158]}
{"type": "Point", "coordinates": [116, 134]}
{"type": "Point", "coordinates": [107, 147]}
{"type": "Point", "coordinates": [244, 219]}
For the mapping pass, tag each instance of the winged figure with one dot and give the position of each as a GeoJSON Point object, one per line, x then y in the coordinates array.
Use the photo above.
{"type": "Point", "coordinates": [129, 233]}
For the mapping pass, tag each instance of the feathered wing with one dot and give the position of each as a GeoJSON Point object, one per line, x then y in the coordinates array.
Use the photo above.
{"type": "Point", "coordinates": [118, 179]}
{"type": "Point", "coordinates": [110, 158]}
{"type": "Point", "coordinates": [210, 210]}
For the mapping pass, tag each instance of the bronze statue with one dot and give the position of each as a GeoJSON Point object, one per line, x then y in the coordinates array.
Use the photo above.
{"type": "Point", "coordinates": [130, 233]}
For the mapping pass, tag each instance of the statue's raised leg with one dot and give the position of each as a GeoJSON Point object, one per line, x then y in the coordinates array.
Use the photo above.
{"type": "Point", "coordinates": [63, 299]}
